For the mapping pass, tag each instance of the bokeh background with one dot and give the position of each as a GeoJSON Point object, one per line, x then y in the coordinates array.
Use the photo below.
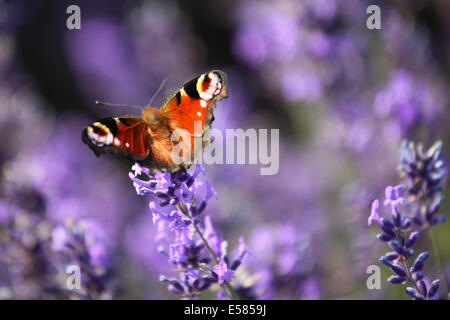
{"type": "Point", "coordinates": [343, 97]}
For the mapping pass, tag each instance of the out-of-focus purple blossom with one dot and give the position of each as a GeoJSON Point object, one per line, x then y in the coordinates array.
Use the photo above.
{"type": "Point", "coordinates": [52, 202]}
{"type": "Point", "coordinates": [277, 38]}
{"type": "Point", "coordinates": [81, 248]}
{"type": "Point", "coordinates": [35, 255]}
{"type": "Point", "coordinates": [25, 260]}
{"type": "Point", "coordinates": [65, 171]}
{"type": "Point", "coordinates": [267, 32]}
{"type": "Point", "coordinates": [21, 107]}
{"type": "Point", "coordinates": [60, 238]}
{"type": "Point", "coordinates": [46, 180]}
{"type": "Point", "coordinates": [189, 239]}
{"type": "Point", "coordinates": [282, 265]}
{"type": "Point", "coordinates": [409, 100]}
{"type": "Point", "coordinates": [301, 86]}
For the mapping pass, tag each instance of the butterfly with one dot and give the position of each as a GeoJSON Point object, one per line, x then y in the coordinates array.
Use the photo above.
{"type": "Point", "coordinates": [149, 139]}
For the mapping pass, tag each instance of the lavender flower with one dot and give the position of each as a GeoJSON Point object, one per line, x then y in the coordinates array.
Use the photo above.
{"type": "Point", "coordinates": [423, 172]}
{"type": "Point", "coordinates": [284, 265]}
{"type": "Point", "coordinates": [75, 243]}
{"type": "Point", "coordinates": [191, 243]}
{"type": "Point", "coordinates": [396, 231]}
{"type": "Point", "coordinates": [35, 252]}
{"type": "Point", "coordinates": [51, 217]}
{"type": "Point", "coordinates": [409, 99]}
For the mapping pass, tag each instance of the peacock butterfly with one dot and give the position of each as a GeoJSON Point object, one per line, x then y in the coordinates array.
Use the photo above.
{"type": "Point", "coordinates": [148, 139]}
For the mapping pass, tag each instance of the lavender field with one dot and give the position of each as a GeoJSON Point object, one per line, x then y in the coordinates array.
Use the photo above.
{"type": "Point", "coordinates": [355, 205]}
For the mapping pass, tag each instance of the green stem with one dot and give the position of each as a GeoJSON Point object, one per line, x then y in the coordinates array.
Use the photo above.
{"type": "Point", "coordinates": [410, 277]}
{"type": "Point", "coordinates": [405, 264]}
{"type": "Point", "coordinates": [437, 257]}
{"type": "Point", "coordinates": [216, 260]}
{"type": "Point", "coordinates": [230, 288]}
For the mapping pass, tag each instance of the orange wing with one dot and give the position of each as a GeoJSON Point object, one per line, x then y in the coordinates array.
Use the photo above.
{"type": "Point", "coordinates": [126, 135]}
{"type": "Point", "coordinates": [191, 107]}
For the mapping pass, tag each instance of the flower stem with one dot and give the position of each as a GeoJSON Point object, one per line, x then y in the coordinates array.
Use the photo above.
{"type": "Point", "coordinates": [230, 288]}
{"type": "Point", "coordinates": [410, 277]}
{"type": "Point", "coordinates": [438, 259]}
{"type": "Point", "coordinates": [233, 292]}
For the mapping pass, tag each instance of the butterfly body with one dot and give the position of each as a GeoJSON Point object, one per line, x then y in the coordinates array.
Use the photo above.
{"type": "Point", "coordinates": [149, 138]}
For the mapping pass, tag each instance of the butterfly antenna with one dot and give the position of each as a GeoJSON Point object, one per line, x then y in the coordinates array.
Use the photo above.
{"type": "Point", "coordinates": [116, 105]}
{"type": "Point", "coordinates": [157, 91]}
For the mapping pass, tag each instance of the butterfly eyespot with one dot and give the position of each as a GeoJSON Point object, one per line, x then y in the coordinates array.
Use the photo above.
{"type": "Point", "coordinates": [99, 134]}
{"type": "Point", "coordinates": [209, 86]}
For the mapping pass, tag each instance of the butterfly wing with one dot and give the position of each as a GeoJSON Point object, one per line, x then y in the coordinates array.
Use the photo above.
{"type": "Point", "coordinates": [191, 107]}
{"type": "Point", "coordinates": [126, 135]}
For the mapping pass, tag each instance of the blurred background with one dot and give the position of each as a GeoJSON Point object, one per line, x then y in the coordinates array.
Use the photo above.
{"type": "Point", "coordinates": [343, 97]}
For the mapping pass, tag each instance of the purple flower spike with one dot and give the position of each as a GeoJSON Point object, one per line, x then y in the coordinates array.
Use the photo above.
{"type": "Point", "coordinates": [178, 203]}
{"type": "Point", "coordinates": [424, 172]}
